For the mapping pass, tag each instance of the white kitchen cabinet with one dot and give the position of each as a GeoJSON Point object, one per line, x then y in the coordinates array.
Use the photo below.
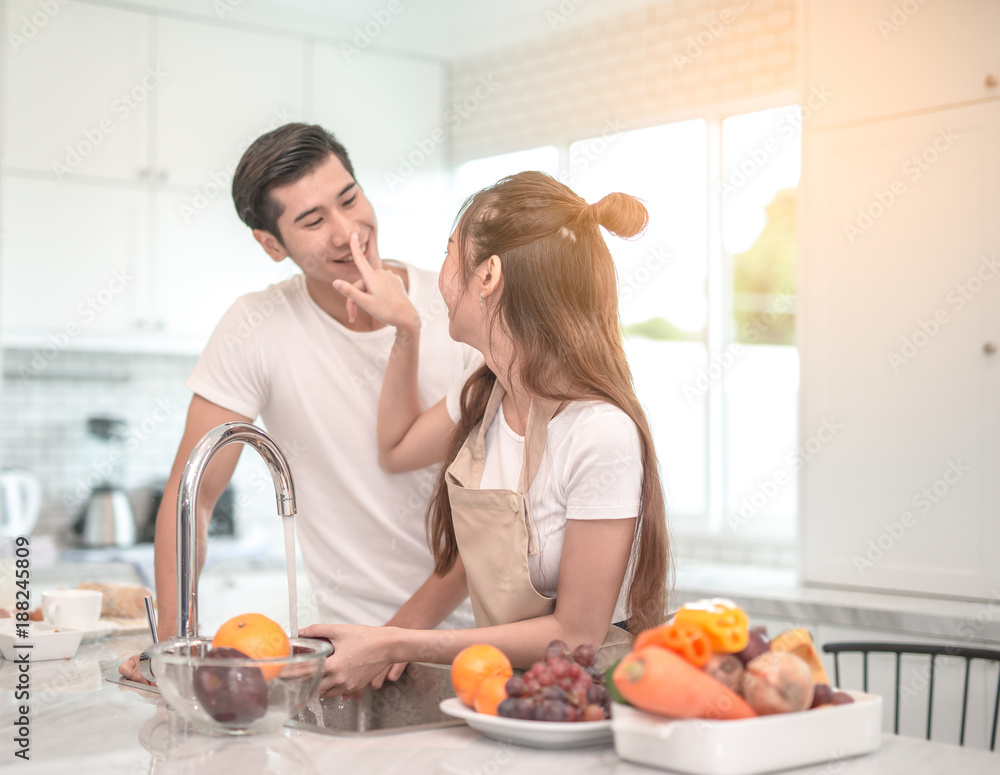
{"type": "Point", "coordinates": [391, 115]}
{"type": "Point", "coordinates": [224, 87]}
{"type": "Point", "coordinates": [203, 260]}
{"type": "Point", "coordinates": [77, 90]}
{"type": "Point", "coordinates": [72, 260]}
{"type": "Point", "coordinates": [900, 300]}
{"type": "Point", "coordinates": [884, 58]}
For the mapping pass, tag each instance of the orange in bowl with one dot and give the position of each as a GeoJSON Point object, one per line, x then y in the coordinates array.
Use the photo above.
{"type": "Point", "coordinates": [256, 636]}
{"type": "Point", "coordinates": [492, 691]}
{"type": "Point", "coordinates": [473, 665]}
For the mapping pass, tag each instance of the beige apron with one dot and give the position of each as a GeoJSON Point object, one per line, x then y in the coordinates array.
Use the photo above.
{"type": "Point", "coordinates": [495, 534]}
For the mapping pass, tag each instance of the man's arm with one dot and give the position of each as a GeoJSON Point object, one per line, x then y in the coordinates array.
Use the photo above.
{"type": "Point", "coordinates": [202, 416]}
{"type": "Point", "coordinates": [434, 601]}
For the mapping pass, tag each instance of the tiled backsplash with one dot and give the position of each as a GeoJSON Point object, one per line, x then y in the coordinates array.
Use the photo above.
{"type": "Point", "coordinates": [43, 424]}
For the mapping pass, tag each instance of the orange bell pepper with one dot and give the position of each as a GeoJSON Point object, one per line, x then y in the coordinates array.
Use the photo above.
{"type": "Point", "coordinates": [723, 622]}
{"type": "Point", "coordinates": [686, 640]}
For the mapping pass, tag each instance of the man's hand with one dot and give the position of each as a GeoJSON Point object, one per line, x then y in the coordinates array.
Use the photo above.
{"type": "Point", "coordinates": [130, 669]}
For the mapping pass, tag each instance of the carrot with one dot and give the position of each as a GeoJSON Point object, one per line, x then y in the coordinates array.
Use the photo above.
{"type": "Point", "coordinates": [659, 681]}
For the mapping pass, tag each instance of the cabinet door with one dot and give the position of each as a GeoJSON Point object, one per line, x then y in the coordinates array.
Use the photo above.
{"type": "Point", "coordinates": [223, 89]}
{"type": "Point", "coordinates": [887, 57]}
{"type": "Point", "coordinates": [391, 116]}
{"type": "Point", "coordinates": [78, 90]}
{"type": "Point", "coordinates": [72, 256]}
{"type": "Point", "coordinates": [899, 292]}
{"type": "Point", "coordinates": [203, 260]}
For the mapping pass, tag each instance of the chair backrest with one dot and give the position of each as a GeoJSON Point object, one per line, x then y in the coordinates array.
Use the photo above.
{"type": "Point", "coordinates": [933, 651]}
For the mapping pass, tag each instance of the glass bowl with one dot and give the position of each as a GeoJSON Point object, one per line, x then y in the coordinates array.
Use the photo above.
{"type": "Point", "coordinates": [237, 696]}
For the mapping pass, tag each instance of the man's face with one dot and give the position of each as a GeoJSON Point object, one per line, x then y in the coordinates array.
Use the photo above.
{"type": "Point", "coordinates": [319, 213]}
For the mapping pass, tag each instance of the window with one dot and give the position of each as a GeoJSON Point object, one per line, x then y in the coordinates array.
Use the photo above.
{"type": "Point", "coordinates": [661, 279]}
{"type": "Point", "coordinates": [707, 300]}
{"type": "Point", "coordinates": [480, 173]}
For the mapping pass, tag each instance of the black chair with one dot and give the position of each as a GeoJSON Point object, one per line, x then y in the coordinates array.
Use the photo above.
{"type": "Point", "coordinates": [933, 651]}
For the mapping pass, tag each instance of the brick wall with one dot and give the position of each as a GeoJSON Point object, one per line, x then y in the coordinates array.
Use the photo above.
{"type": "Point", "coordinates": [639, 69]}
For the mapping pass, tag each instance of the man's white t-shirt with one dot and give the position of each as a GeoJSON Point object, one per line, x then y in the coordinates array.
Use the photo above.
{"type": "Point", "coordinates": [315, 384]}
{"type": "Point", "coordinates": [591, 469]}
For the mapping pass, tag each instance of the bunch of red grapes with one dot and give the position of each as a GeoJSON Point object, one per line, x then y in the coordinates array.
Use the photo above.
{"type": "Point", "coordinates": [562, 686]}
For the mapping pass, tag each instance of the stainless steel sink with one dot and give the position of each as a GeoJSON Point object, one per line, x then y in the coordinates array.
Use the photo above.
{"type": "Point", "coordinates": [408, 705]}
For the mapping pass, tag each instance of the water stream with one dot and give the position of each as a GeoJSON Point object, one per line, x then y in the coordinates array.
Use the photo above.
{"type": "Point", "coordinates": [293, 606]}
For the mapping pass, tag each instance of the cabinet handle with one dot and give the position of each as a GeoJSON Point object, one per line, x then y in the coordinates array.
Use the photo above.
{"type": "Point", "coordinates": [989, 348]}
{"type": "Point", "coordinates": [991, 80]}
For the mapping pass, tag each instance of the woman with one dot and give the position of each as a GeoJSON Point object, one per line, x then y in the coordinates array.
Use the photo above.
{"type": "Point", "coordinates": [548, 510]}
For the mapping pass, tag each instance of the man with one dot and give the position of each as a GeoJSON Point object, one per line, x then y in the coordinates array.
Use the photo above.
{"type": "Point", "coordinates": [311, 367]}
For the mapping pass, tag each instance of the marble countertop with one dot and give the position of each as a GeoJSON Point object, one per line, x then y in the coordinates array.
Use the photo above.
{"type": "Point", "coordinates": [82, 724]}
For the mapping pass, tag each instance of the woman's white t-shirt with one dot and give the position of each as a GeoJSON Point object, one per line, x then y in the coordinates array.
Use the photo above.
{"type": "Point", "coordinates": [591, 469]}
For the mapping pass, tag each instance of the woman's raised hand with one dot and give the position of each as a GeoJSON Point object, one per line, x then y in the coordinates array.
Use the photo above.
{"type": "Point", "coordinates": [379, 292]}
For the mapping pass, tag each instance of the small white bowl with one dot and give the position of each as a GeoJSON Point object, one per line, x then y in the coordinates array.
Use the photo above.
{"type": "Point", "coordinates": [47, 641]}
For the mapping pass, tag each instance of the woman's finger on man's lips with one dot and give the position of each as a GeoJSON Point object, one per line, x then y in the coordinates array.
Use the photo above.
{"type": "Point", "coordinates": [359, 258]}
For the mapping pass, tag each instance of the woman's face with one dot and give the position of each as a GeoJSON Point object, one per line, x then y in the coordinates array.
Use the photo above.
{"type": "Point", "coordinates": [464, 314]}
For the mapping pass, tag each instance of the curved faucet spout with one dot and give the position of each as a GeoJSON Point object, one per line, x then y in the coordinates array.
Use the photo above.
{"type": "Point", "coordinates": [187, 504]}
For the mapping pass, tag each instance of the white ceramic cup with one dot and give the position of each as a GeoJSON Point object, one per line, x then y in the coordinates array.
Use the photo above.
{"type": "Point", "coordinates": [78, 609]}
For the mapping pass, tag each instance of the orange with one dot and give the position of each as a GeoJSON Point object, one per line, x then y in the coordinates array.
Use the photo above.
{"type": "Point", "coordinates": [492, 691]}
{"type": "Point", "coordinates": [472, 665]}
{"type": "Point", "coordinates": [256, 636]}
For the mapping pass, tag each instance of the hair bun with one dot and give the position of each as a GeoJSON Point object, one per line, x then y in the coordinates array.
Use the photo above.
{"type": "Point", "coordinates": [621, 214]}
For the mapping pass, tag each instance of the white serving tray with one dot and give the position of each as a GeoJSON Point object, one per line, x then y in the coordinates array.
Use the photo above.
{"type": "Point", "coordinates": [47, 641]}
{"type": "Point", "coordinates": [749, 746]}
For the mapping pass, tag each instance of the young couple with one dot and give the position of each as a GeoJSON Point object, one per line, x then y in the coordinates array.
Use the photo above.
{"type": "Point", "coordinates": [547, 509]}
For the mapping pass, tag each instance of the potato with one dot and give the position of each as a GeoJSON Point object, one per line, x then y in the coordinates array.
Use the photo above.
{"type": "Point", "coordinates": [777, 682]}
{"type": "Point", "coordinates": [727, 670]}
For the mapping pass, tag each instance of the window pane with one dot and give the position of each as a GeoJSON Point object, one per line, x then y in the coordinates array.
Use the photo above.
{"type": "Point", "coordinates": [480, 173]}
{"type": "Point", "coordinates": [661, 286]}
{"type": "Point", "coordinates": [761, 161]}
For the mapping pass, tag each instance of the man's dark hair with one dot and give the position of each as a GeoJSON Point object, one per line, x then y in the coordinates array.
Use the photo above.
{"type": "Point", "coordinates": [279, 158]}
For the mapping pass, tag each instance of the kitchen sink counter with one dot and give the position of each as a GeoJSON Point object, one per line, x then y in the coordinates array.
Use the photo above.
{"type": "Point", "coordinates": [82, 724]}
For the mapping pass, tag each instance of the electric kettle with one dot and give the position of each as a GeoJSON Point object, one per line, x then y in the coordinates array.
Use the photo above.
{"type": "Point", "coordinates": [20, 502]}
{"type": "Point", "coordinates": [107, 518]}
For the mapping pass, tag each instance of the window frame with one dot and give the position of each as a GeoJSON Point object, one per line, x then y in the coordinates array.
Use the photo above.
{"type": "Point", "coordinates": [707, 535]}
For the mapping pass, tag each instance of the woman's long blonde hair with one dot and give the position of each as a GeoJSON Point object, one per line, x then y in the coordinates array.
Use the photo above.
{"type": "Point", "coordinates": [559, 308]}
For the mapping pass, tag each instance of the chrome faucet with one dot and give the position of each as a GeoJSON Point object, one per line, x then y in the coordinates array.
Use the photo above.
{"type": "Point", "coordinates": [187, 504]}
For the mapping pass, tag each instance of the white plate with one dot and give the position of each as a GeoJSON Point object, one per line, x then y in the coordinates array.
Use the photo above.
{"type": "Point", "coordinates": [534, 734]}
{"type": "Point", "coordinates": [47, 641]}
{"type": "Point", "coordinates": [753, 745]}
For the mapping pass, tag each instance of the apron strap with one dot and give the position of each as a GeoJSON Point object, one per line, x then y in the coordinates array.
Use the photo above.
{"type": "Point", "coordinates": [540, 412]}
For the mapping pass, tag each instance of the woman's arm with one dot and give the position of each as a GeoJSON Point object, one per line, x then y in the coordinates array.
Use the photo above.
{"type": "Point", "coordinates": [595, 557]}
{"type": "Point", "coordinates": [408, 437]}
